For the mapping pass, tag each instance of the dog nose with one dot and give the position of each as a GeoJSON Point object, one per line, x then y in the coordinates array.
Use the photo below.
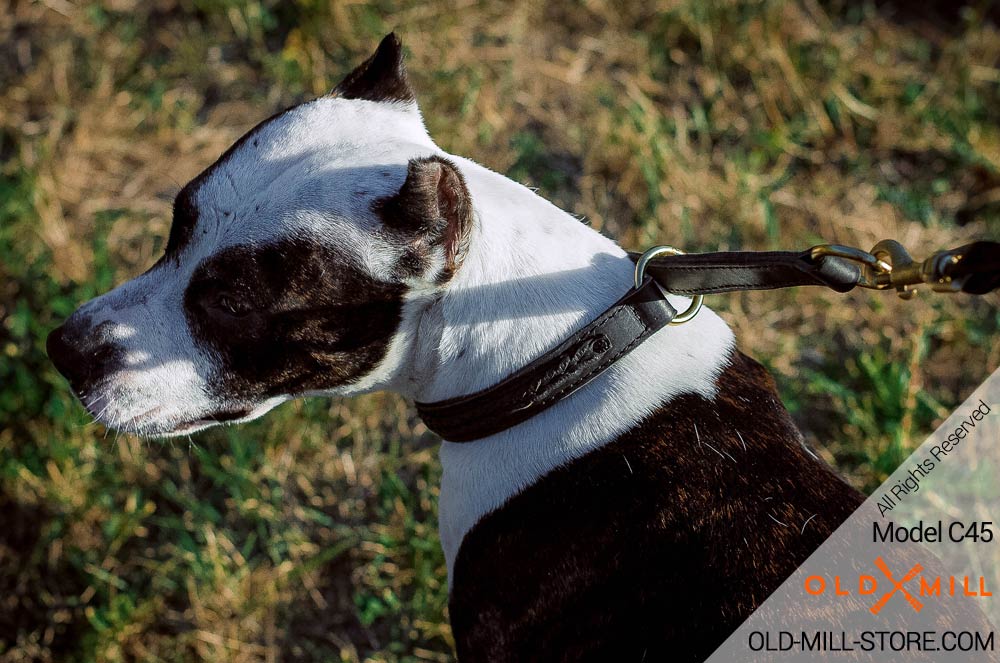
{"type": "Point", "coordinates": [79, 352]}
{"type": "Point", "coordinates": [64, 355]}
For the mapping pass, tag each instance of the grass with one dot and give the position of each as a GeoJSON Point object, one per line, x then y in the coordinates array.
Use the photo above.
{"type": "Point", "coordinates": [311, 535]}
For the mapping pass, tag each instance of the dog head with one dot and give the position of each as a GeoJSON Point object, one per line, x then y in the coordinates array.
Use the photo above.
{"type": "Point", "coordinates": [287, 269]}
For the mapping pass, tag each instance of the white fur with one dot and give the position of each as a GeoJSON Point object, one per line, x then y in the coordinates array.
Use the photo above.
{"type": "Point", "coordinates": [533, 275]}
{"type": "Point", "coordinates": [300, 174]}
{"type": "Point", "coordinates": [164, 369]}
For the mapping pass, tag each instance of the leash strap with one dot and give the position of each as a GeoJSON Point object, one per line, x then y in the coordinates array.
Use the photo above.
{"type": "Point", "coordinates": [729, 271]}
{"type": "Point", "coordinates": [556, 374]}
{"type": "Point", "coordinates": [973, 268]}
{"type": "Point", "coordinates": [977, 268]}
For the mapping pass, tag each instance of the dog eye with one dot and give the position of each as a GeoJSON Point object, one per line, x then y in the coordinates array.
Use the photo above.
{"type": "Point", "coordinates": [232, 306]}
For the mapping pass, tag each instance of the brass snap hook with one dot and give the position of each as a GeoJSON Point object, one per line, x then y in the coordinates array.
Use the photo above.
{"type": "Point", "coordinates": [907, 272]}
{"type": "Point", "coordinates": [889, 265]}
{"type": "Point", "coordinates": [875, 271]}
{"type": "Point", "coordinates": [640, 276]}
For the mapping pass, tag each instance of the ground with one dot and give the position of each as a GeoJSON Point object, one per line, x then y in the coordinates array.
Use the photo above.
{"type": "Point", "coordinates": [311, 534]}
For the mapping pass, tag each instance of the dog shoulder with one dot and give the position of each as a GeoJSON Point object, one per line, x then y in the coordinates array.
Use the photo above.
{"type": "Point", "coordinates": [667, 537]}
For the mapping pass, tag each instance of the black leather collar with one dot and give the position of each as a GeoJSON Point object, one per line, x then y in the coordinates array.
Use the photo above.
{"type": "Point", "coordinates": [556, 374]}
{"type": "Point", "coordinates": [616, 332]}
{"type": "Point", "coordinates": [973, 268]}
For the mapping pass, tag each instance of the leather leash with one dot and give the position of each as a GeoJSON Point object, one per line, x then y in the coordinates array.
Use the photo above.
{"type": "Point", "coordinates": [973, 268]}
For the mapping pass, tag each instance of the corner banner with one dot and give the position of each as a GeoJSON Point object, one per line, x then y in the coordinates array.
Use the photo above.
{"type": "Point", "coordinates": [913, 574]}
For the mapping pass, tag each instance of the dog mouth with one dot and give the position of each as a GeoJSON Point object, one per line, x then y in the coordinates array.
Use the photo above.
{"type": "Point", "coordinates": [235, 414]}
{"type": "Point", "coordinates": [215, 418]}
{"type": "Point", "coordinates": [157, 422]}
{"type": "Point", "coordinates": [219, 417]}
{"type": "Point", "coordinates": [123, 408]}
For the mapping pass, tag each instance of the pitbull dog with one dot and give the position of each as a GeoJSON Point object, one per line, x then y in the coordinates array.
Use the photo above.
{"type": "Point", "coordinates": [336, 250]}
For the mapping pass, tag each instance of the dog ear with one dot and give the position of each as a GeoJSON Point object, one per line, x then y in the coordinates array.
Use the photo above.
{"type": "Point", "coordinates": [382, 77]}
{"type": "Point", "coordinates": [434, 208]}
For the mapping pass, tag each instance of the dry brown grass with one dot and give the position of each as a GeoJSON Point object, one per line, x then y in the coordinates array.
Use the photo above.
{"type": "Point", "coordinates": [751, 125]}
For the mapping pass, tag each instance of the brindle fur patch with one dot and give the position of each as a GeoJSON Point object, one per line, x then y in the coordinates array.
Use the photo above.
{"type": "Point", "coordinates": [656, 546]}
{"type": "Point", "coordinates": [315, 321]}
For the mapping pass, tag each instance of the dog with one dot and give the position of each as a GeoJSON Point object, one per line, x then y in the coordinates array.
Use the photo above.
{"type": "Point", "coordinates": [336, 250]}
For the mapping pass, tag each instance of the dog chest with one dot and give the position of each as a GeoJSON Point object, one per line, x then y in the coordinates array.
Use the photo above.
{"type": "Point", "coordinates": [663, 540]}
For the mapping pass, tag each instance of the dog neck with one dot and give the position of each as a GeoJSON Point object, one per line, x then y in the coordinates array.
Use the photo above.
{"type": "Point", "coordinates": [532, 276]}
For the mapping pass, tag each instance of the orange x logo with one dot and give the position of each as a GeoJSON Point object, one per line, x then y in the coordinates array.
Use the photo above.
{"type": "Point", "coordinates": [897, 586]}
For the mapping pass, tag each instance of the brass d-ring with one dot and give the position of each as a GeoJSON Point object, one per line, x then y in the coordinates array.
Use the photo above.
{"type": "Point", "coordinates": [640, 276]}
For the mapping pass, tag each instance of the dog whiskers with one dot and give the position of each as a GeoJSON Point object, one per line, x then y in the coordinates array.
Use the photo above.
{"type": "Point", "coordinates": [103, 410]}
{"type": "Point", "coordinates": [90, 402]}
